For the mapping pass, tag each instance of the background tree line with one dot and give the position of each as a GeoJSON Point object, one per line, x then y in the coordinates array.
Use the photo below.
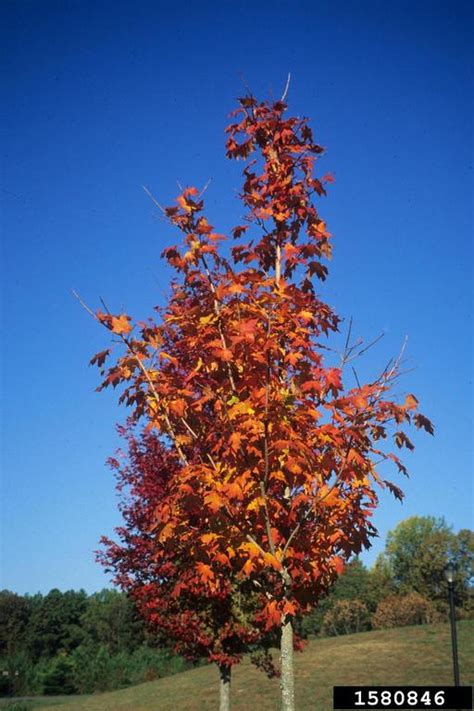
{"type": "Point", "coordinates": [64, 643]}
{"type": "Point", "coordinates": [72, 642]}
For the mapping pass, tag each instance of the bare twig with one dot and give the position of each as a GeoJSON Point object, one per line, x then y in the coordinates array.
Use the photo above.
{"type": "Point", "coordinates": [293, 533]}
{"type": "Point", "coordinates": [349, 354]}
{"type": "Point", "coordinates": [267, 518]}
{"type": "Point", "coordinates": [205, 187]}
{"type": "Point", "coordinates": [244, 82]}
{"type": "Point", "coordinates": [257, 545]}
{"type": "Point", "coordinates": [287, 86]}
{"type": "Point", "coordinates": [389, 374]}
{"type": "Point", "coordinates": [104, 305]}
{"type": "Point", "coordinates": [355, 376]}
{"type": "Point", "coordinates": [346, 346]}
{"type": "Point", "coordinates": [189, 428]}
{"type": "Point", "coordinates": [154, 200]}
{"type": "Point", "coordinates": [84, 305]}
{"type": "Point", "coordinates": [372, 343]}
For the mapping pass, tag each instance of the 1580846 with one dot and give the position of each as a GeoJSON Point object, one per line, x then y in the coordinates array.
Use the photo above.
{"type": "Point", "coordinates": [399, 698]}
{"type": "Point", "coordinates": [429, 698]}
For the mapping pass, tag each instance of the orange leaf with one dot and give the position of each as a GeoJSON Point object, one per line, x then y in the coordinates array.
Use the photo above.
{"type": "Point", "coordinates": [360, 402]}
{"type": "Point", "coordinates": [120, 324]}
{"type": "Point", "coordinates": [411, 403]}
{"type": "Point", "coordinates": [272, 615]}
{"type": "Point", "coordinates": [306, 316]}
{"type": "Point", "coordinates": [249, 567]}
{"type": "Point", "coordinates": [166, 532]}
{"type": "Point", "coordinates": [221, 558]}
{"type": "Point", "coordinates": [224, 354]}
{"type": "Point", "coordinates": [291, 250]}
{"type": "Point", "coordinates": [234, 491]}
{"type": "Point", "coordinates": [333, 379]}
{"type": "Point", "coordinates": [203, 226]}
{"type": "Point", "coordinates": [293, 357]}
{"type": "Point", "coordinates": [328, 178]}
{"type": "Point", "coordinates": [270, 560]}
{"type": "Point", "coordinates": [289, 608]}
{"type": "Point", "coordinates": [311, 386]}
{"type": "Point", "coordinates": [236, 289]}
{"type": "Point", "coordinates": [205, 571]}
{"type": "Point", "coordinates": [214, 501]}
{"type": "Point", "coordinates": [257, 503]}
{"type": "Point", "coordinates": [178, 407]}
{"type": "Point", "coordinates": [234, 441]}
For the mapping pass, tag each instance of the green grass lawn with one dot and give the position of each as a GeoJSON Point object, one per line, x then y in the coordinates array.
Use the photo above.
{"type": "Point", "coordinates": [404, 656]}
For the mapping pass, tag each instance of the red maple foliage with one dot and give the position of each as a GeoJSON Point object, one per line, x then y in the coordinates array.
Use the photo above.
{"type": "Point", "coordinates": [276, 456]}
{"type": "Point", "coordinates": [204, 617]}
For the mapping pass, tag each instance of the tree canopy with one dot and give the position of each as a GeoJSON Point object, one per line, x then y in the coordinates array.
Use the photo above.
{"type": "Point", "coordinates": [271, 456]}
{"type": "Point", "coordinates": [418, 550]}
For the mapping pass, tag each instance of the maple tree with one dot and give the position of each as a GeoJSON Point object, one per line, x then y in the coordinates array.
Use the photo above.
{"type": "Point", "coordinates": [275, 457]}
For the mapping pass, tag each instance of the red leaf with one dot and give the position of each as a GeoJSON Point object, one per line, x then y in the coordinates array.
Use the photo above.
{"type": "Point", "coordinates": [402, 440]}
{"type": "Point", "coordinates": [398, 493]}
{"type": "Point", "coordinates": [423, 422]}
{"type": "Point", "coordinates": [99, 358]}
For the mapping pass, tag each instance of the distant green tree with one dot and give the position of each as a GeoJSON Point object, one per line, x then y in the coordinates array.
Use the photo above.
{"type": "Point", "coordinates": [84, 672]}
{"type": "Point", "coordinates": [16, 674]}
{"type": "Point", "coordinates": [353, 584]}
{"type": "Point", "coordinates": [111, 620]}
{"type": "Point", "coordinates": [381, 582]}
{"type": "Point", "coordinates": [15, 612]}
{"type": "Point", "coordinates": [463, 558]}
{"type": "Point", "coordinates": [58, 676]}
{"type": "Point", "coordinates": [417, 552]}
{"type": "Point", "coordinates": [55, 623]}
{"type": "Point", "coordinates": [103, 668]}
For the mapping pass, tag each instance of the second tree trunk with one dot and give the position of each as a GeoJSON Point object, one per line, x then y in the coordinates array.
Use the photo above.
{"type": "Point", "coordinates": [287, 680]}
{"type": "Point", "coordinates": [224, 687]}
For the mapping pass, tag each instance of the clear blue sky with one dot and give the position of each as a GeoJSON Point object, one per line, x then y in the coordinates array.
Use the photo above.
{"type": "Point", "coordinates": [102, 97]}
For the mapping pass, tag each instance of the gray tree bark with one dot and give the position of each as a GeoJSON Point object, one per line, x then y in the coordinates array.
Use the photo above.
{"type": "Point", "coordinates": [287, 679]}
{"type": "Point", "coordinates": [224, 687]}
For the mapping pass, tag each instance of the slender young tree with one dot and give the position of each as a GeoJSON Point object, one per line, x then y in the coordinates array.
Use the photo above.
{"type": "Point", "coordinates": [278, 456]}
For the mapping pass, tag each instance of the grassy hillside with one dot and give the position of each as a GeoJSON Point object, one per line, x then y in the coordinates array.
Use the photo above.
{"type": "Point", "coordinates": [404, 656]}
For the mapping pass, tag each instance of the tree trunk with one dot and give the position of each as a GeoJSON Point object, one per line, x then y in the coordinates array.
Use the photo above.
{"type": "Point", "coordinates": [287, 680]}
{"type": "Point", "coordinates": [224, 687]}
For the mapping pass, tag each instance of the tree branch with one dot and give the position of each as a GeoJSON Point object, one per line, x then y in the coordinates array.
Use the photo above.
{"type": "Point", "coordinates": [287, 86]}
{"type": "Point", "coordinates": [147, 377]}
